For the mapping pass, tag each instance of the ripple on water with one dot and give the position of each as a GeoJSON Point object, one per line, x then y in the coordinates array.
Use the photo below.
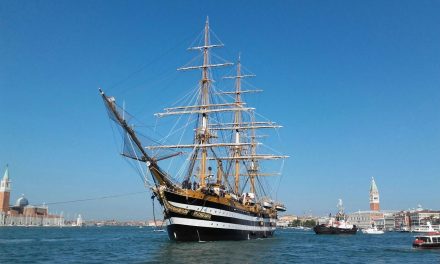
{"type": "Point", "coordinates": [134, 245]}
{"type": "Point", "coordinates": [16, 240]}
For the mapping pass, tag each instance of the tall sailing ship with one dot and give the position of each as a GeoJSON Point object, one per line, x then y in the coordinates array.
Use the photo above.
{"type": "Point", "coordinates": [218, 193]}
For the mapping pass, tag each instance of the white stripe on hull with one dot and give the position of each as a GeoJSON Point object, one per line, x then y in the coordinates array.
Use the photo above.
{"type": "Point", "coordinates": [220, 212]}
{"type": "Point", "coordinates": [214, 224]}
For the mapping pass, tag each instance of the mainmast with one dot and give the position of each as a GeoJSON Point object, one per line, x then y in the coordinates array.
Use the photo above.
{"type": "Point", "coordinates": [203, 134]}
{"type": "Point", "coordinates": [237, 121]}
{"type": "Point", "coordinates": [237, 124]}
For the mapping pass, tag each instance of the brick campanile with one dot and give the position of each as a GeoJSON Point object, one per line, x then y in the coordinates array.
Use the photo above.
{"type": "Point", "coordinates": [374, 196]}
{"type": "Point", "coordinates": [5, 191]}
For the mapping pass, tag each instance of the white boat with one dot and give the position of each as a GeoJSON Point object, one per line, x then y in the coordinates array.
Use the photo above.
{"type": "Point", "coordinates": [79, 222]}
{"type": "Point", "coordinates": [424, 228]}
{"type": "Point", "coordinates": [372, 231]}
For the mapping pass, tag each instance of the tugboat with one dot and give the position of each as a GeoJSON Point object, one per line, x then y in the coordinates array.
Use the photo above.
{"type": "Point", "coordinates": [430, 240]}
{"type": "Point", "coordinates": [337, 225]}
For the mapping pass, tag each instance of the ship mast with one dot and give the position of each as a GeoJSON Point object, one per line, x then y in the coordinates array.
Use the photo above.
{"type": "Point", "coordinates": [237, 124]}
{"type": "Point", "coordinates": [253, 171]}
{"type": "Point", "coordinates": [237, 120]}
{"type": "Point", "coordinates": [203, 135]}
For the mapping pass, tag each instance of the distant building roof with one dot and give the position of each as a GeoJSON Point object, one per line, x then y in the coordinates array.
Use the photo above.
{"type": "Point", "coordinates": [22, 202]}
{"type": "Point", "coordinates": [426, 211]}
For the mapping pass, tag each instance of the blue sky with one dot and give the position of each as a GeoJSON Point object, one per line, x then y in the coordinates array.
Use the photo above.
{"type": "Point", "coordinates": [354, 83]}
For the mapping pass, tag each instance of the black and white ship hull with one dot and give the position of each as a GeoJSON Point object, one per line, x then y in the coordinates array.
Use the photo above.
{"type": "Point", "coordinates": [190, 219]}
{"type": "Point", "coordinates": [191, 231]}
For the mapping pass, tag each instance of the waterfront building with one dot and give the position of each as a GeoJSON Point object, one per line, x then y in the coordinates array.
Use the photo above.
{"type": "Point", "coordinates": [421, 218]}
{"type": "Point", "coordinates": [402, 221]}
{"type": "Point", "coordinates": [22, 213]}
{"type": "Point", "coordinates": [157, 223]}
{"type": "Point", "coordinates": [365, 219]}
{"type": "Point", "coordinates": [389, 221]}
{"type": "Point", "coordinates": [415, 220]}
{"type": "Point", "coordinates": [323, 220]}
{"type": "Point", "coordinates": [286, 220]}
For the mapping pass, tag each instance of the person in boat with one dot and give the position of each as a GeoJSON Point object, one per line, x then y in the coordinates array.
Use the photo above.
{"type": "Point", "coordinates": [186, 184]}
{"type": "Point", "coordinates": [195, 185]}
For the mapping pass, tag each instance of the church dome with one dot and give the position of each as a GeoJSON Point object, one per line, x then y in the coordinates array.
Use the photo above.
{"type": "Point", "coordinates": [22, 202]}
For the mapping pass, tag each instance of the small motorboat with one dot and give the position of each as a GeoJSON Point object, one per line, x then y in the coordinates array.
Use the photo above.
{"type": "Point", "coordinates": [372, 231]}
{"type": "Point", "coordinates": [430, 240]}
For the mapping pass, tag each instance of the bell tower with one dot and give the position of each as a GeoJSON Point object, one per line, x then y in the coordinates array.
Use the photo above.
{"type": "Point", "coordinates": [374, 196]}
{"type": "Point", "coordinates": [5, 191]}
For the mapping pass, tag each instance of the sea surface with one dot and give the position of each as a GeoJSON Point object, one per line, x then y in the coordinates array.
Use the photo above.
{"type": "Point", "coordinates": [144, 245]}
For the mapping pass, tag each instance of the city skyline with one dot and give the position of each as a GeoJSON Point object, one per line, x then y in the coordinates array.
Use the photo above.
{"type": "Point", "coordinates": [356, 90]}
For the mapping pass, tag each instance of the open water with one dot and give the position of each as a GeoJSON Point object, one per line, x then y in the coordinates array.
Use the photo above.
{"type": "Point", "coordinates": [143, 245]}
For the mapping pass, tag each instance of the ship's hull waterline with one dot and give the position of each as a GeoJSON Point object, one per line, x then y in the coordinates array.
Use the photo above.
{"type": "Point", "coordinates": [190, 219]}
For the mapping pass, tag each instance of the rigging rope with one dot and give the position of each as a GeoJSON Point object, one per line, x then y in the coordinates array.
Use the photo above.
{"type": "Point", "coordinates": [154, 215]}
{"type": "Point", "coordinates": [96, 198]}
{"type": "Point", "coordinates": [149, 63]}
